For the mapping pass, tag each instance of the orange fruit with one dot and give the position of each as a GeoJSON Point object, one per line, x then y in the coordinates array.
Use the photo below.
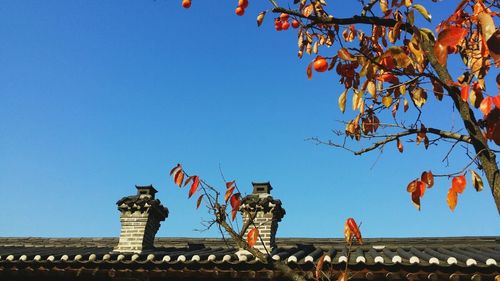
{"type": "Point", "coordinates": [458, 184]}
{"type": "Point", "coordinates": [284, 17]}
{"type": "Point", "coordinates": [240, 11]}
{"type": "Point", "coordinates": [285, 25]}
{"type": "Point", "coordinates": [320, 64]}
{"type": "Point", "coordinates": [186, 3]}
{"type": "Point", "coordinates": [243, 3]}
{"type": "Point", "coordinates": [295, 23]}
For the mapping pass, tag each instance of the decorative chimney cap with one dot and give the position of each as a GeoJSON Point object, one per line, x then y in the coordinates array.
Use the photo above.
{"type": "Point", "coordinates": [146, 190]}
{"type": "Point", "coordinates": [262, 188]}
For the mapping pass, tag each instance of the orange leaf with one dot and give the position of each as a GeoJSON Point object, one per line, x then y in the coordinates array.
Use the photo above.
{"type": "Point", "coordinates": [388, 77]}
{"type": "Point", "coordinates": [428, 178]}
{"type": "Point", "coordinates": [353, 227]}
{"type": "Point", "coordinates": [415, 198]}
{"type": "Point", "coordinates": [319, 267]}
{"type": "Point", "coordinates": [496, 101]}
{"type": "Point", "coordinates": [458, 183]}
{"type": "Point", "coordinates": [441, 53]}
{"type": "Point", "coordinates": [198, 202]}
{"type": "Point", "coordinates": [451, 199]}
{"type": "Point", "coordinates": [400, 145]}
{"type": "Point", "coordinates": [452, 36]}
{"type": "Point", "coordinates": [228, 194]}
{"type": "Point", "coordinates": [485, 105]}
{"type": "Point", "coordinates": [464, 92]}
{"type": "Point", "coordinates": [307, 11]}
{"type": "Point", "coordinates": [347, 233]}
{"type": "Point", "coordinates": [230, 184]}
{"type": "Point", "coordinates": [412, 186]}
{"type": "Point", "coordinates": [179, 177]}
{"type": "Point", "coordinates": [252, 237]}
{"type": "Point", "coordinates": [309, 71]}
{"type": "Point", "coordinates": [342, 276]}
{"type": "Point", "coordinates": [235, 204]}
{"type": "Point", "coordinates": [194, 186]}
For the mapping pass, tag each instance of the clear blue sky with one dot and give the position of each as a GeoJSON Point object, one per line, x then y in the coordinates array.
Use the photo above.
{"type": "Point", "coordinates": [97, 96]}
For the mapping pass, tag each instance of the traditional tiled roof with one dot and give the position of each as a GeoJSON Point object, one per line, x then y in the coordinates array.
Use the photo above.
{"type": "Point", "coordinates": [462, 258]}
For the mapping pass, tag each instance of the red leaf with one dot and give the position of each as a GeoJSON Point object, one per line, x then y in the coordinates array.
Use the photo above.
{"type": "Point", "coordinates": [198, 202]}
{"type": "Point", "coordinates": [228, 194]}
{"type": "Point", "coordinates": [485, 105]}
{"type": "Point", "coordinates": [235, 204]}
{"type": "Point", "coordinates": [309, 71]}
{"type": "Point", "coordinates": [388, 77]}
{"type": "Point", "coordinates": [252, 237]}
{"type": "Point", "coordinates": [229, 184]}
{"type": "Point", "coordinates": [428, 178]}
{"type": "Point", "coordinates": [441, 53]}
{"type": "Point", "coordinates": [451, 199]}
{"type": "Point", "coordinates": [452, 36]}
{"type": "Point", "coordinates": [194, 186]}
{"type": "Point", "coordinates": [496, 101]}
{"type": "Point", "coordinates": [353, 227]}
{"type": "Point", "coordinates": [464, 92]}
{"type": "Point", "coordinates": [458, 183]}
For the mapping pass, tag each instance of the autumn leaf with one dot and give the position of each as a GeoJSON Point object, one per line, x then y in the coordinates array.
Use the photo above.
{"type": "Point", "coordinates": [230, 184]}
{"type": "Point", "coordinates": [194, 186]}
{"type": "Point", "coordinates": [451, 36]}
{"type": "Point", "coordinates": [441, 53]}
{"type": "Point", "coordinates": [235, 204]}
{"type": "Point", "coordinates": [451, 199]}
{"type": "Point", "coordinates": [419, 96]}
{"type": "Point", "coordinates": [399, 145]}
{"type": "Point", "coordinates": [319, 267]}
{"type": "Point", "coordinates": [354, 229]}
{"type": "Point", "coordinates": [384, 6]}
{"type": "Point", "coordinates": [415, 197]}
{"type": "Point", "coordinates": [229, 192]}
{"type": "Point", "coordinates": [309, 71]}
{"type": "Point", "coordinates": [496, 101]}
{"type": "Point", "coordinates": [387, 101]}
{"type": "Point", "coordinates": [342, 100]}
{"type": "Point", "coordinates": [485, 105]}
{"type": "Point", "coordinates": [342, 276]}
{"type": "Point", "coordinates": [178, 175]}
{"type": "Point", "coordinates": [371, 88]}
{"type": "Point", "coordinates": [344, 54]}
{"type": "Point", "coordinates": [464, 92]}
{"type": "Point", "coordinates": [428, 178]}
{"type": "Point", "coordinates": [388, 77]}
{"type": "Point", "coordinates": [252, 237]}
{"type": "Point", "coordinates": [307, 11]}
{"type": "Point", "coordinates": [477, 182]}
{"type": "Point", "coordinates": [423, 11]}
{"type": "Point", "coordinates": [458, 183]}
{"type": "Point", "coordinates": [260, 18]}
{"type": "Point", "coordinates": [198, 202]}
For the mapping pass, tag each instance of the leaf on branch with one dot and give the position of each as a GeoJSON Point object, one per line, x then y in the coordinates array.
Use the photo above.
{"type": "Point", "coordinates": [451, 199]}
{"type": "Point", "coordinates": [178, 175]}
{"type": "Point", "coordinates": [437, 89]}
{"type": "Point", "coordinates": [198, 202]}
{"type": "Point", "coordinates": [344, 54]}
{"type": "Point", "coordinates": [387, 101]}
{"type": "Point", "coordinates": [354, 229]}
{"type": "Point", "coordinates": [252, 237]}
{"type": "Point", "coordinates": [428, 178]}
{"type": "Point", "coordinates": [441, 53]}
{"type": "Point", "coordinates": [477, 182]}
{"type": "Point", "coordinates": [309, 71]}
{"type": "Point", "coordinates": [235, 204]}
{"type": "Point", "coordinates": [415, 198]}
{"type": "Point", "coordinates": [194, 186]}
{"type": "Point", "coordinates": [451, 36]}
{"type": "Point", "coordinates": [260, 18]}
{"type": "Point", "coordinates": [485, 105]}
{"type": "Point", "coordinates": [319, 267]}
{"type": "Point", "coordinates": [423, 11]}
{"type": "Point", "coordinates": [388, 77]}
{"type": "Point", "coordinates": [422, 134]}
{"type": "Point", "coordinates": [399, 145]}
{"type": "Point", "coordinates": [406, 105]}
{"type": "Point", "coordinates": [307, 11]}
{"type": "Point", "coordinates": [228, 193]}
{"type": "Point", "coordinates": [342, 276]}
{"type": "Point", "coordinates": [372, 90]}
{"type": "Point", "coordinates": [419, 96]}
{"type": "Point", "coordinates": [464, 92]}
{"type": "Point", "coordinates": [342, 100]}
{"type": "Point", "coordinates": [458, 183]}
{"type": "Point", "coordinates": [496, 101]}
{"type": "Point", "coordinates": [356, 100]}
{"type": "Point", "coordinates": [384, 6]}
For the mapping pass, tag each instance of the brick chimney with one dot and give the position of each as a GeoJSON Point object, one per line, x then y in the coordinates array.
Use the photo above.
{"type": "Point", "coordinates": [140, 219]}
{"type": "Point", "coordinates": [269, 213]}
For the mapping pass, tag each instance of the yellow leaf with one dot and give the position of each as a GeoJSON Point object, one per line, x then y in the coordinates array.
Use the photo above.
{"type": "Point", "coordinates": [260, 18]}
{"type": "Point", "coordinates": [342, 101]}
{"type": "Point", "coordinates": [405, 105]}
{"type": "Point", "coordinates": [371, 89]}
{"type": "Point", "coordinates": [356, 101]}
{"type": "Point", "coordinates": [419, 96]}
{"type": "Point", "coordinates": [422, 10]}
{"type": "Point", "coordinates": [387, 101]}
{"type": "Point", "coordinates": [383, 6]}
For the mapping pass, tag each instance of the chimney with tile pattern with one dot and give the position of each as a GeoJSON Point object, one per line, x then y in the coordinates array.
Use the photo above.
{"type": "Point", "coordinates": [267, 212]}
{"type": "Point", "coordinates": [140, 219]}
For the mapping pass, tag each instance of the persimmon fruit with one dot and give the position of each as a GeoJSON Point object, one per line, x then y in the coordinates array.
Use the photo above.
{"type": "Point", "coordinates": [320, 64]}
{"type": "Point", "coordinates": [295, 23]}
{"type": "Point", "coordinates": [186, 4]}
{"type": "Point", "coordinates": [240, 11]}
{"type": "Point", "coordinates": [243, 3]}
{"type": "Point", "coordinates": [285, 25]}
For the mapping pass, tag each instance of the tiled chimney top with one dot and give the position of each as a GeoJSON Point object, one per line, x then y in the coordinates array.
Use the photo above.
{"type": "Point", "coordinates": [140, 219]}
{"type": "Point", "coordinates": [268, 213]}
